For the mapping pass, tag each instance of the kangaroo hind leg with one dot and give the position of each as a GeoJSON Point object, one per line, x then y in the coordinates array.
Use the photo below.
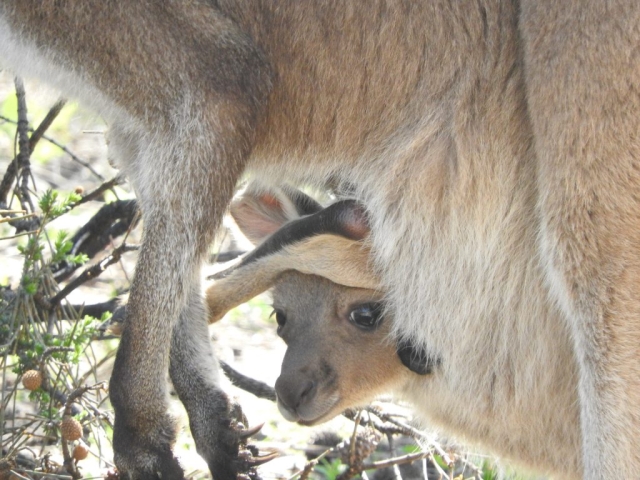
{"type": "Point", "coordinates": [582, 71]}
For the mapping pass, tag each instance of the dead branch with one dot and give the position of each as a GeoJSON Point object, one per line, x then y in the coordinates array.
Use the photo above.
{"type": "Point", "coordinates": [110, 222]}
{"type": "Point", "coordinates": [108, 185]}
{"type": "Point", "coordinates": [410, 431]}
{"type": "Point", "coordinates": [19, 170]}
{"type": "Point", "coordinates": [69, 463]}
{"type": "Point", "coordinates": [51, 115]}
{"type": "Point", "coordinates": [400, 460]}
{"type": "Point", "coordinates": [92, 272]}
{"type": "Point", "coordinates": [24, 152]}
{"type": "Point", "coordinates": [21, 161]}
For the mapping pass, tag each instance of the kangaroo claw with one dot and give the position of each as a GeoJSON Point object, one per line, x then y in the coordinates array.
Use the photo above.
{"type": "Point", "coordinates": [249, 432]}
{"type": "Point", "coordinates": [262, 459]}
{"type": "Point", "coordinates": [250, 458]}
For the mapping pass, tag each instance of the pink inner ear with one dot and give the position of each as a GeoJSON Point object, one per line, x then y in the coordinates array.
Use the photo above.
{"type": "Point", "coordinates": [253, 224]}
{"type": "Point", "coordinates": [270, 201]}
{"type": "Point", "coordinates": [258, 216]}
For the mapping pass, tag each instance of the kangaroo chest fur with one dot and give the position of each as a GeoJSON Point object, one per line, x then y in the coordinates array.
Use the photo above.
{"type": "Point", "coordinates": [451, 192]}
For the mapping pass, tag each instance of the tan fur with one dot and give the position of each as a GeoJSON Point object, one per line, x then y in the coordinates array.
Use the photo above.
{"type": "Point", "coordinates": [321, 338]}
{"type": "Point", "coordinates": [331, 256]}
{"type": "Point", "coordinates": [494, 144]}
{"type": "Point", "coordinates": [538, 428]}
{"type": "Point", "coordinates": [523, 373]}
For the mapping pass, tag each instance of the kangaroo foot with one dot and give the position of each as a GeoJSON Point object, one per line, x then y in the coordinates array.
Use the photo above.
{"type": "Point", "coordinates": [146, 456]}
{"type": "Point", "coordinates": [249, 456]}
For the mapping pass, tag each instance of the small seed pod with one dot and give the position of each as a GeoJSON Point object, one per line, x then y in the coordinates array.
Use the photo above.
{"type": "Point", "coordinates": [366, 444]}
{"type": "Point", "coordinates": [80, 452]}
{"type": "Point", "coordinates": [5, 469]}
{"type": "Point", "coordinates": [70, 429]}
{"type": "Point", "coordinates": [79, 190]}
{"type": "Point", "coordinates": [32, 379]}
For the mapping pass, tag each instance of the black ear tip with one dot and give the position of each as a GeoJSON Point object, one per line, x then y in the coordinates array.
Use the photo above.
{"type": "Point", "coordinates": [354, 220]}
{"type": "Point", "coordinates": [415, 359]}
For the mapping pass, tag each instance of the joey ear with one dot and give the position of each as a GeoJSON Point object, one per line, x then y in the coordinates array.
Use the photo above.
{"type": "Point", "coordinates": [416, 359]}
{"type": "Point", "coordinates": [346, 218]}
{"type": "Point", "coordinates": [352, 220]}
{"type": "Point", "coordinates": [258, 214]}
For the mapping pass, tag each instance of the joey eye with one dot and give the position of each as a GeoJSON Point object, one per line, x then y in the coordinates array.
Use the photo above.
{"type": "Point", "coordinates": [281, 318]}
{"type": "Point", "coordinates": [367, 316]}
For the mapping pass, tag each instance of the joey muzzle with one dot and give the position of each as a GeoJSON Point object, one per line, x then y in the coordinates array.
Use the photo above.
{"type": "Point", "coordinates": [307, 395]}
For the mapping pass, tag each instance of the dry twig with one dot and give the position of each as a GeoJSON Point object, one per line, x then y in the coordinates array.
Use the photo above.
{"type": "Point", "coordinates": [92, 272]}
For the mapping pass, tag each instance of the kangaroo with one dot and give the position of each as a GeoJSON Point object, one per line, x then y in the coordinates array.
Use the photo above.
{"type": "Point", "coordinates": [493, 143]}
{"type": "Point", "coordinates": [341, 353]}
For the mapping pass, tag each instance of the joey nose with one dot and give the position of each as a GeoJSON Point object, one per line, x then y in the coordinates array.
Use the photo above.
{"type": "Point", "coordinates": [293, 392]}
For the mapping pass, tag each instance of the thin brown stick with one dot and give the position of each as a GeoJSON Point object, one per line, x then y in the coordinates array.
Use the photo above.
{"type": "Point", "coordinates": [411, 432]}
{"type": "Point", "coordinates": [79, 392]}
{"type": "Point", "coordinates": [9, 212]}
{"type": "Point", "coordinates": [51, 350]}
{"type": "Point", "coordinates": [13, 219]}
{"type": "Point", "coordinates": [24, 152]}
{"type": "Point", "coordinates": [37, 135]}
{"type": "Point", "coordinates": [352, 449]}
{"type": "Point", "coordinates": [311, 464]}
{"type": "Point", "coordinates": [108, 185]}
{"type": "Point", "coordinates": [46, 122]}
{"type": "Point", "coordinates": [73, 156]}
{"type": "Point", "coordinates": [400, 460]}
{"type": "Point", "coordinates": [92, 272]}
{"type": "Point", "coordinates": [69, 464]}
{"type": "Point", "coordinates": [46, 474]}
{"type": "Point", "coordinates": [31, 232]}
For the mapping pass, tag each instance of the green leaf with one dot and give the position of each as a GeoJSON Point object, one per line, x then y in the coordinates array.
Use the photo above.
{"type": "Point", "coordinates": [31, 288]}
{"type": "Point", "coordinates": [47, 201]}
{"type": "Point", "coordinates": [73, 197]}
{"type": "Point", "coordinates": [79, 259]}
{"type": "Point", "coordinates": [409, 449]}
{"type": "Point", "coordinates": [330, 469]}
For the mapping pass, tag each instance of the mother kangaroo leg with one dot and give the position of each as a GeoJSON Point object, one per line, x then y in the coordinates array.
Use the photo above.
{"type": "Point", "coordinates": [582, 73]}
{"type": "Point", "coordinates": [184, 180]}
{"type": "Point", "coordinates": [182, 88]}
{"type": "Point", "coordinates": [194, 372]}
